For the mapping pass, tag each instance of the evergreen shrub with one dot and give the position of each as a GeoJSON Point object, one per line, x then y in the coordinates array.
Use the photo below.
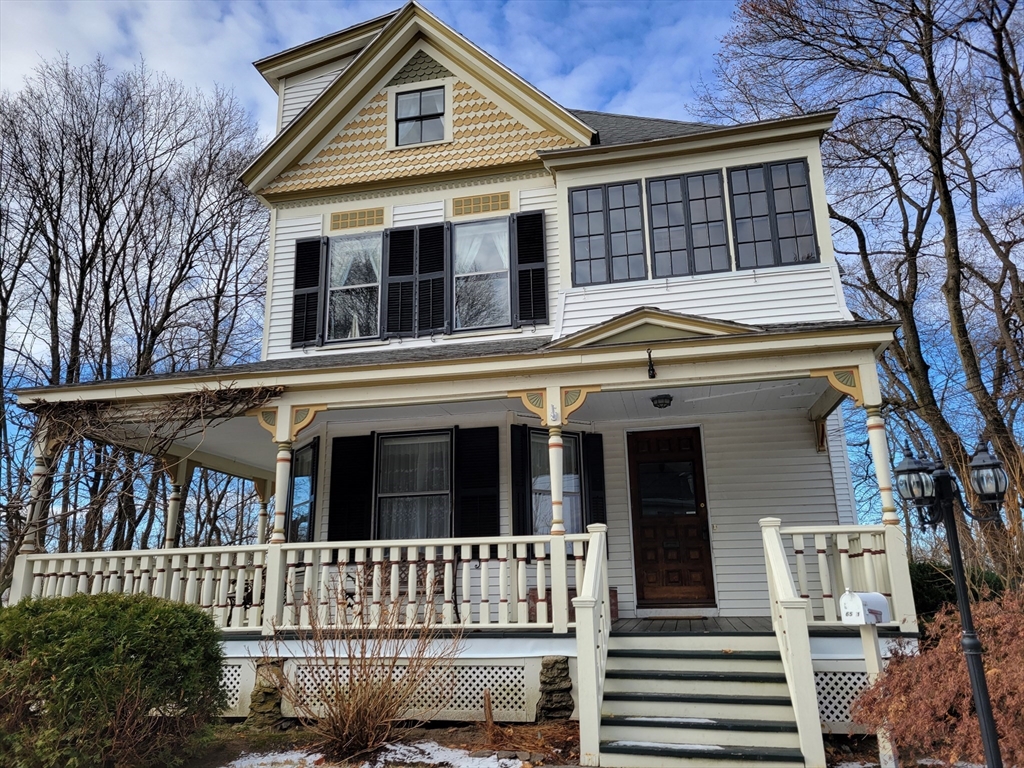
{"type": "Point", "coordinates": [106, 680]}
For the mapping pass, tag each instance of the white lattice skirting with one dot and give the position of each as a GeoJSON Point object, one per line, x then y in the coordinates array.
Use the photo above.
{"type": "Point", "coordinates": [836, 692]}
{"type": "Point", "coordinates": [451, 694]}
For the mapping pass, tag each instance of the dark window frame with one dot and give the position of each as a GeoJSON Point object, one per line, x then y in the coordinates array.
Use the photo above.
{"type": "Point", "coordinates": [314, 446]}
{"type": "Point", "coordinates": [450, 432]}
{"type": "Point", "coordinates": [420, 117]}
{"type": "Point", "coordinates": [772, 215]}
{"type": "Point", "coordinates": [688, 224]}
{"type": "Point", "coordinates": [607, 233]}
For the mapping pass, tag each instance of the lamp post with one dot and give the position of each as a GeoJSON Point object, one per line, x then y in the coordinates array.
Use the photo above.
{"type": "Point", "coordinates": [932, 489]}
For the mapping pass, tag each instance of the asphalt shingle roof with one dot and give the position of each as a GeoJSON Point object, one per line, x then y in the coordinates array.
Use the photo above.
{"type": "Point", "coordinates": [629, 129]}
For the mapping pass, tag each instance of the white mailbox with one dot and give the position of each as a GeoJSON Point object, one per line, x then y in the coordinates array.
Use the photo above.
{"type": "Point", "coordinates": [864, 608]}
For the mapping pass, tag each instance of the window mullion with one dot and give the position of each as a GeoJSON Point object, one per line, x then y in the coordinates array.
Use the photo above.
{"type": "Point", "coordinates": [769, 189]}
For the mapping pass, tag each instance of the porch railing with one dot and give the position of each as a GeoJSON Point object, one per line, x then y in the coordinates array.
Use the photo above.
{"type": "Point", "coordinates": [483, 583]}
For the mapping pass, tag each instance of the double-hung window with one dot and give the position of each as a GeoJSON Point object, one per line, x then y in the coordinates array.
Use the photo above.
{"type": "Point", "coordinates": [688, 225]}
{"type": "Point", "coordinates": [301, 510]}
{"type": "Point", "coordinates": [419, 116]}
{"type": "Point", "coordinates": [353, 286]}
{"type": "Point", "coordinates": [414, 479]}
{"type": "Point", "coordinates": [482, 296]}
{"type": "Point", "coordinates": [607, 234]}
{"type": "Point", "coordinates": [771, 213]}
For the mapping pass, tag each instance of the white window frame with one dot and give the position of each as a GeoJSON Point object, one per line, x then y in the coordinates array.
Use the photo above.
{"type": "Point", "coordinates": [448, 83]}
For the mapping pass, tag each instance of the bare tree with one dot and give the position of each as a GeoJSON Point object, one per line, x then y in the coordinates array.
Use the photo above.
{"type": "Point", "coordinates": [926, 172]}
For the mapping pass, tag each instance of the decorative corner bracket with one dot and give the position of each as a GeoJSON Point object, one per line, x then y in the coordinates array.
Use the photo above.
{"type": "Point", "coordinates": [298, 417]}
{"type": "Point", "coordinates": [302, 417]}
{"type": "Point", "coordinates": [554, 413]}
{"type": "Point", "coordinates": [535, 401]}
{"type": "Point", "coordinates": [845, 380]}
{"type": "Point", "coordinates": [573, 398]}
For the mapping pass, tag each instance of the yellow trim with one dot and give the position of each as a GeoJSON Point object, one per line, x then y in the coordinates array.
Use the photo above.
{"type": "Point", "coordinates": [266, 418]}
{"type": "Point", "coordinates": [845, 380]}
{"type": "Point", "coordinates": [302, 417]}
{"type": "Point", "coordinates": [464, 206]}
{"type": "Point", "coordinates": [687, 324]}
{"type": "Point", "coordinates": [573, 398]}
{"type": "Point", "coordinates": [535, 401]}
{"type": "Point", "coordinates": [364, 217]}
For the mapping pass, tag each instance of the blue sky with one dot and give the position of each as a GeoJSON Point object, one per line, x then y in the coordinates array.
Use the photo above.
{"type": "Point", "coordinates": [637, 57]}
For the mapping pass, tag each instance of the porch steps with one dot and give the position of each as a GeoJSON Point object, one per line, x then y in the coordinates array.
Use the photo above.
{"type": "Point", "coordinates": [687, 700]}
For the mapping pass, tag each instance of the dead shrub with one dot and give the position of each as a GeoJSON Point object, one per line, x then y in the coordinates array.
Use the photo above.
{"type": "Point", "coordinates": [924, 698]}
{"type": "Point", "coordinates": [364, 666]}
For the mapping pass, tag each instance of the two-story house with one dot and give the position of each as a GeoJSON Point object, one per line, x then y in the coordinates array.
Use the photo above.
{"type": "Point", "coordinates": [580, 369]}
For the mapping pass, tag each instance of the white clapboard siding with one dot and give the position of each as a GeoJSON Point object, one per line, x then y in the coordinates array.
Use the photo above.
{"type": "Point", "coordinates": [756, 465]}
{"type": "Point", "coordinates": [781, 295]}
{"type": "Point", "coordinates": [279, 330]}
{"type": "Point", "coordinates": [422, 213]}
{"type": "Point", "coordinates": [545, 199]}
{"type": "Point", "coordinates": [301, 90]}
{"type": "Point", "coordinates": [841, 475]}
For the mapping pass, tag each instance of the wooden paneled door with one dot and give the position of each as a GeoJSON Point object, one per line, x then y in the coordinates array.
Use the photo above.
{"type": "Point", "coordinates": [671, 538]}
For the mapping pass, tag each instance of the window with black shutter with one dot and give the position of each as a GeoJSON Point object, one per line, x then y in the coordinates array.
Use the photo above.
{"type": "Point", "coordinates": [531, 281]}
{"type": "Point", "coordinates": [309, 269]}
{"type": "Point", "coordinates": [415, 298]}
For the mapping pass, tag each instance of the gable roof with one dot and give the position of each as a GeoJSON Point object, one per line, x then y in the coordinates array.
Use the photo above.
{"type": "Point", "coordinates": [411, 23]}
{"type": "Point", "coordinates": [628, 129]}
{"type": "Point", "coordinates": [647, 324]}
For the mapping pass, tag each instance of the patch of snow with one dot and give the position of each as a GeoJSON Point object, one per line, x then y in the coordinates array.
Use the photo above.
{"type": "Point", "coordinates": [432, 753]}
{"type": "Point", "coordinates": [276, 760]}
{"type": "Point", "coordinates": [705, 747]}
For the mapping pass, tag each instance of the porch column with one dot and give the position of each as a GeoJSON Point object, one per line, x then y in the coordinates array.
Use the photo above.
{"type": "Point", "coordinates": [555, 476]}
{"type": "Point", "coordinates": [263, 490]}
{"type": "Point", "coordinates": [35, 521]}
{"type": "Point", "coordinates": [281, 485]}
{"type": "Point", "coordinates": [181, 477]}
{"type": "Point", "coordinates": [878, 442]}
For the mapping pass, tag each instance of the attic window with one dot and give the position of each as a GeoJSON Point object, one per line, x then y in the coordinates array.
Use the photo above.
{"type": "Point", "coordinates": [419, 117]}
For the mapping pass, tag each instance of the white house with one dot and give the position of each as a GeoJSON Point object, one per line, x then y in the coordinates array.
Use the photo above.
{"type": "Point", "coordinates": [583, 369]}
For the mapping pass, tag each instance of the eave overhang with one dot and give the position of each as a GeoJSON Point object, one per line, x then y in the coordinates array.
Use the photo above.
{"type": "Point", "coordinates": [411, 23]}
{"type": "Point", "coordinates": [864, 339]}
{"type": "Point", "coordinates": [727, 137]}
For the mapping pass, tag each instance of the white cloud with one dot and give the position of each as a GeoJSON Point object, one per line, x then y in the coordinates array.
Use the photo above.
{"type": "Point", "coordinates": [636, 57]}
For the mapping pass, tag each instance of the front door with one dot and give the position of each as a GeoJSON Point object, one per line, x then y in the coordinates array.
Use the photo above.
{"type": "Point", "coordinates": [671, 540]}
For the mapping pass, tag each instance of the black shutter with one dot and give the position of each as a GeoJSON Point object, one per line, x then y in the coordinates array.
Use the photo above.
{"type": "Point", "coordinates": [351, 503]}
{"type": "Point", "coordinates": [399, 281]}
{"type": "Point", "coordinates": [431, 294]}
{"type": "Point", "coordinates": [595, 506]}
{"type": "Point", "coordinates": [531, 300]}
{"type": "Point", "coordinates": [306, 292]}
{"type": "Point", "coordinates": [522, 491]}
{"type": "Point", "coordinates": [476, 482]}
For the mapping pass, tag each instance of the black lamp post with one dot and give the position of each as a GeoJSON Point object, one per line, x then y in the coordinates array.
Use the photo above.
{"type": "Point", "coordinates": [932, 489]}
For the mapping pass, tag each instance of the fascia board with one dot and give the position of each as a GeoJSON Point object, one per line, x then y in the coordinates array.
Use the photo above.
{"type": "Point", "coordinates": [626, 355]}
{"type": "Point", "coordinates": [314, 53]}
{"type": "Point", "coordinates": [366, 68]}
{"type": "Point", "coordinates": [727, 137]}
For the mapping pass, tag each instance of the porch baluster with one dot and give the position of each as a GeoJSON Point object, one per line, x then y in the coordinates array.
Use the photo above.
{"type": "Point", "coordinates": [114, 582]}
{"type": "Point", "coordinates": [83, 577]}
{"type": "Point", "coordinates": [378, 578]}
{"type": "Point", "coordinates": [308, 593]}
{"type": "Point", "coordinates": [542, 585]}
{"type": "Point", "coordinates": [256, 611]}
{"type": "Point", "coordinates": [145, 576]}
{"type": "Point", "coordinates": [430, 587]}
{"type": "Point", "coordinates": [801, 573]}
{"type": "Point", "coordinates": [881, 569]}
{"type": "Point", "coordinates": [577, 556]}
{"type": "Point", "coordinates": [867, 548]}
{"type": "Point", "coordinates": [241, 570]}
{"type": "Point", "coordinates": [223, 590]}
{"type": "Point", "coordinates": [289, 616]}
{"type": "Point", "coordinates": [360, 588]}
{"type": "Point", "coordinates": [175, 576]}
{"type": "Point", "coordinates": [68, 580]}
{"type": "Point", "coordinates": [412, 557]}
{"type": "Point", "coordinates": [395, 556]}
{"type": "Point", "coordinates": [326, 588]}
{"type": "Point", "coordinates": [503, 583]}
{"type": "Point", "coordinates": [845, 568]}
{"type": "Point", "coordinates": [38, 579]}
{"type": "Point", "coordinates": [522, 607]}
{"type": "Point", "coordinates": [467, 587]}
{"type": "Point", "coordinates": [192, 583]}
{"type": "Point", "coordinates": [448, 611]}
{"type": "Point", "coordinates": [828, 600]}
{"type": "Point", "coordinates": [97, 576]}
{"type": "Point", "coordinates": [128, 583]}
{"type": "Point", "coordinates": [208, 578]}
{"type": "Point", "coordinates": [342, 598]}
{"type": "Point", "coordinates": [485, 587]}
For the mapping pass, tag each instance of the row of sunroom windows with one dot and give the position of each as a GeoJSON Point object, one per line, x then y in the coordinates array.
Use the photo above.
{"type": "Point", "coordinates": [772, 224]}
{"type": "Point", "coordinates": [417, 479]}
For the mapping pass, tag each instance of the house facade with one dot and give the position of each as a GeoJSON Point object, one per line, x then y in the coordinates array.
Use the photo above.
{"type": "Point", "coordinates": [566, 379]}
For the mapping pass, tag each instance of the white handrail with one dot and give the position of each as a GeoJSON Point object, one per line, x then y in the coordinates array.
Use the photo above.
{"type": "Point", "coordinates": [593, 626]}
{"type": "Point", "coordinates": [789, 619]}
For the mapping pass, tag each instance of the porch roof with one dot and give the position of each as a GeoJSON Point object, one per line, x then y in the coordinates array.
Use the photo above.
{"type": "Point", "coordinates": [540, 352]}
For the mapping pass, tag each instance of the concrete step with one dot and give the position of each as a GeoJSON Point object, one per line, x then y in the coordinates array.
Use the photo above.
{"type": "Point", "coordinates": [724, 683]}
{"type": "Point", "coordinates": [701, 730]}
{"type": "Point", "coordinates": [646, 754]}
{"type": "Point", "coordinates": [696, 661]}
{"type": "Point", "coordinates": [622, 704]}
{"type": "Point", "coordinates": [689, 643]}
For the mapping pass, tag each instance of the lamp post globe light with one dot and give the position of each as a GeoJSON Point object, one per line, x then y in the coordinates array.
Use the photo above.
{"type": "Point", "coordinates": [932, 489]}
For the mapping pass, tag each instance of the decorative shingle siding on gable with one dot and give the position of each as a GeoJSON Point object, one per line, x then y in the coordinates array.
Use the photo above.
{"type": "Point", "coordinates": [483, 136]}
{"type": "Point", "coordinates": [419, 68]}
